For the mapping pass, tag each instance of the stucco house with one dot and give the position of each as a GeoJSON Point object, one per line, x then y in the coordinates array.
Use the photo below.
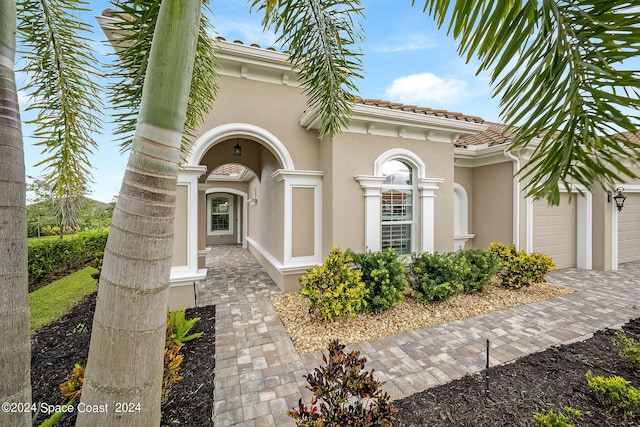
{"type": "Point", "coordinates": [399, 176]}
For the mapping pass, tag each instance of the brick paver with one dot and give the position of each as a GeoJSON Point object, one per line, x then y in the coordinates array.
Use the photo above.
{"type": "Point", "coordinates": [259, 374]}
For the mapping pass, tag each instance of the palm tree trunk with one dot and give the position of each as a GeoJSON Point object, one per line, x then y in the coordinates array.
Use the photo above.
{"type": "Point", "coordinates": [15, 348]}
{"type": "Point", "coordinates": [126, 353]}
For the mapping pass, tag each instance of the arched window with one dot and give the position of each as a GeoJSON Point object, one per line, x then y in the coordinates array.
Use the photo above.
{"type": "Point", "coordinates": [397, 202]}
{"type": "Point", "coordinates": [460, 217]}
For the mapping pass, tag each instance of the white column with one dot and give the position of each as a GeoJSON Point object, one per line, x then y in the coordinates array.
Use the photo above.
{"type": "Point", "coordinates": [188, 177]}
{"type": "Point", "coordinates": [585, 228]}
{"type": "Point", "coordinates": [427, 192]}
{"type": "Point", "coordinates": [372, 186]}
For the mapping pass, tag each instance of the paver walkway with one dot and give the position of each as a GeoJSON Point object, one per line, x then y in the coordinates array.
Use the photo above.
{"type": "Point", "coordinates": [258, 373]}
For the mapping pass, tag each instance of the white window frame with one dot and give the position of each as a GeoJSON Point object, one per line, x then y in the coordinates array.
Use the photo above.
{"type": "Point", "coordinates": [230, 199]}
{"type": "Point", "coordinates": [412, 223]}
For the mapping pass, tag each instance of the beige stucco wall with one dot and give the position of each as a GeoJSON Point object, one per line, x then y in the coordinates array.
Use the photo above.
{"type": "Point", "coordinates": [326, 158]}
{"type": "Point", "coordinates": [202, 228]}
{"type": "Point", "coordinates": [492, 204]}
{"type": "Point", "coordinates": [181, 297]}
{"type": "Point", "coordinates": [302, 227]}
{"type": "Point", "coordinates": [266, 217]}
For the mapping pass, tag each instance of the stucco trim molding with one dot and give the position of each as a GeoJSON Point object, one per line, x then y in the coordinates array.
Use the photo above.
{"type": "Point", "coordinates": [301, 179]}
{"type": "Point", "coordinates": [427, 192]}
{"type": "Point", "coordinates": [400, 154]}
{"type": "Point", "coordinates": [280, 267]}
{"type": "Point", "coordinates": [247, 130]}
{"type": "Point", "coordinates": [372, 186]}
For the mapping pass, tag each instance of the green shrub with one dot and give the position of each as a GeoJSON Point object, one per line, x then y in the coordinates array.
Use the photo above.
{"type": "Point", "coordinates": [435, 277]}
{"type": "Point", "coordinates": [48, 257]}
{"type": "Point", "coordinates": [549, 418]}
{"type": "Point", "coordinates": [519, 268]}
{"type": "Point", "coordinates": [334, 289]}
{"type": "Point", "coordinates": [476, 268]}
{"type": "Point", "coordinates": [615, 393]}
{"type": "Point", "coordinates": [178, 328]}
{"type": "Point", "coordinates": [383, 275]}
{"type": "Point", "coordinates": [630, 348]}
{"type": "Point", "coordinates": [343, 394]}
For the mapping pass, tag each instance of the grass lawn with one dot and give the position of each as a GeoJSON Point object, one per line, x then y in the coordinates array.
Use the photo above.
{"type": "Point", "coordinates": [52, 301]}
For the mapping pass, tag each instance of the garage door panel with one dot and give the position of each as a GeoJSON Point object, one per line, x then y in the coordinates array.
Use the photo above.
{"type": "Point", "coordinates": [555, 231]}
{"type": "Point", "coordinates": [629, 229]}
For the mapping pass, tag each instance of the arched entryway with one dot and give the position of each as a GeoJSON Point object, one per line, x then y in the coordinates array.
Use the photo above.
{"type": "Point", "coordinates": [240, 182]}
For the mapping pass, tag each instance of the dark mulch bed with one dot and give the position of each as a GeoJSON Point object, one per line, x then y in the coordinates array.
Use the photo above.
{"type": "Point", "coordinates": [550, 379]}
{"type": "Point", "coordinates": [56, 348]}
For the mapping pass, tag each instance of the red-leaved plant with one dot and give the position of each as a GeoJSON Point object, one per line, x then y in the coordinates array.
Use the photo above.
{"type": "Point", "coordinates": [344, 394]}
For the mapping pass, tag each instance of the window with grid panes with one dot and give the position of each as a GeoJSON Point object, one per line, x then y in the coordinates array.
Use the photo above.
{"type": "Point", "coordinates": [220, 214]}
{"type": "Point", "coordinates": [397, 207]}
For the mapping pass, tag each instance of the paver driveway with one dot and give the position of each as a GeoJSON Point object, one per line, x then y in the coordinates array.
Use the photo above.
{"type": "Point", "coordinates": [258, 373]}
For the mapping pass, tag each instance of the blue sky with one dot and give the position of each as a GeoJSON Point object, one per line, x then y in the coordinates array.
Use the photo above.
{"type": "Point", "coordinates": [407, 59]}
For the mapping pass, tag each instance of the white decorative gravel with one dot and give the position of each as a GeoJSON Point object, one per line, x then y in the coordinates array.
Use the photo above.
{"type": "Point", "coordinates": [310, 334]}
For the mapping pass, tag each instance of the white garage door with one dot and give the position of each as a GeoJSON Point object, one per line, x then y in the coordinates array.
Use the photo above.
{"type": "Point", "coordinates": [555, 230]}
{"type": "Point", "coordinates": [629, 229]}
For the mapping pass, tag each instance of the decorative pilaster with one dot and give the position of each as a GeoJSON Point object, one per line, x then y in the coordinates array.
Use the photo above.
{"type": "Point", "coordinates": [372, 186]}
{"type": "Point", "coordinates": [427, 192]}
{"type": "Point", "coordinates": [312, 181]}
{"type": "Point", "coordinates": [185, 269]}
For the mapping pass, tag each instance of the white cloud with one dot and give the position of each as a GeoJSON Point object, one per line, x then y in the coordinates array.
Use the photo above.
{"type": "Point", "coordinates": [246, 31]}
{"type": "Point", "coordinates": [414, 42]}
{"type": "Point", "coordinates": [425, 89]}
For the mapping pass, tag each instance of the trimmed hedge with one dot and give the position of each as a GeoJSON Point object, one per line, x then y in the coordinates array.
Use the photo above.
{"type": "Point", "coordinates": [436, 277]}
{"type": "Point", "coordinates": [48, 257]}
{"type": "Point", "coordinates": [383, 275]}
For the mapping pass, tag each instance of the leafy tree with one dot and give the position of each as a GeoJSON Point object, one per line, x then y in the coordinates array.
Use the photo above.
{"type": "Point", "coordinates": [62, 213]}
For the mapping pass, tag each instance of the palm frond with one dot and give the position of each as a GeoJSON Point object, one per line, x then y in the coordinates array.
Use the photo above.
{"type": "Point", "coordinates": [322, 38]}
{"type": "Point", "coordinates": [62, 73]}
{"type": "Point", "coordinates": [559, 68]}
{"type": "Point", "coordinates": [130, 66]}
